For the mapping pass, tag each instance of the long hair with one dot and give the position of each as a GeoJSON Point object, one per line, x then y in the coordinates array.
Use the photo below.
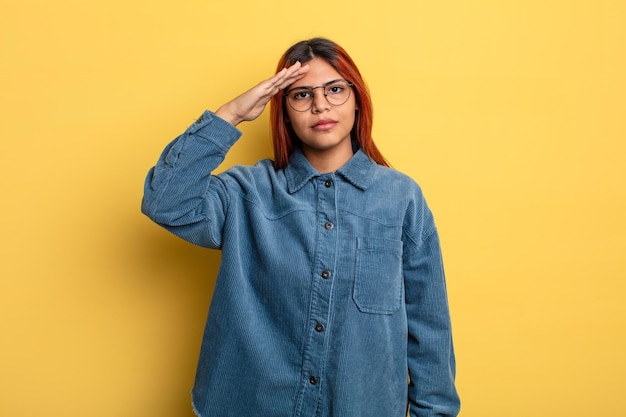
{"type": "Point", "coordinates": [283, 135]}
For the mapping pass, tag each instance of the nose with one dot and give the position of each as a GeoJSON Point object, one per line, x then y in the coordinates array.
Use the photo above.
{"type": "Point", "coordinates": [319, 100]}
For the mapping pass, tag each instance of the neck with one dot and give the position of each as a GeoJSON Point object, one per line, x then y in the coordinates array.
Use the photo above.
{"type": "Point", "coordinates": [325, 162]}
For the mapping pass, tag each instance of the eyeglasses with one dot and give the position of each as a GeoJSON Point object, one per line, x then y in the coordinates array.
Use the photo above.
{"type": "Point", "coordinates": [337, 92]}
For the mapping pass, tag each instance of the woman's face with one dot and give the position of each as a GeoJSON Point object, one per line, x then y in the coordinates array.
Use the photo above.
{"type": "Point", "coordinates": [324, 129]}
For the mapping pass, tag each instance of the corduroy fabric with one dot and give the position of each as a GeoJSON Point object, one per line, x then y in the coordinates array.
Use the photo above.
{"type": "Point", "coordinates": [331, 289]}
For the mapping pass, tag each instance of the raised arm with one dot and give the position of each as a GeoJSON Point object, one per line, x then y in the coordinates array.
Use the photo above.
{"type": "Point", "coordinates": [180, 193]}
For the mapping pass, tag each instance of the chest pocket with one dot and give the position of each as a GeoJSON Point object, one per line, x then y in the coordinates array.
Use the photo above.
{"type": "Point", "coordinates": [378, 285]}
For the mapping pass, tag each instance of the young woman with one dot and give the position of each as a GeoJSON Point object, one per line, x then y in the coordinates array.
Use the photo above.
{"type": "Point", "coordinates": [330, 299]}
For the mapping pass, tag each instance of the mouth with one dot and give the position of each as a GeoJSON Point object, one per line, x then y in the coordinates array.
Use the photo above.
{"type": "Point", "coordinates": [324, 124]}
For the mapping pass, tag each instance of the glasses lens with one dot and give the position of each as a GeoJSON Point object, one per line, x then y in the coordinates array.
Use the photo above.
{"type": "Point", "coordinates": [337, 93]}
{"type": "Point", "coordinates": [300, 99]}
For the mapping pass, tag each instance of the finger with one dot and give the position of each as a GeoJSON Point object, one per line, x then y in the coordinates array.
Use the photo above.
{"type": "Point", "coordinates": [273, 85]}
{"type": "Point", "coordinates": [294, 70]}
{"type": "Point", "coordinates": [292, 75]}
{"type": "Point", "coordinates": [283, 78]}
{"type": "Point", "coordinates": [285, 73]}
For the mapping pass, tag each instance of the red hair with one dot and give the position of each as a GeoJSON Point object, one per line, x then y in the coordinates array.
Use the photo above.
{"type": "Point", "coordinates": [283, 136]}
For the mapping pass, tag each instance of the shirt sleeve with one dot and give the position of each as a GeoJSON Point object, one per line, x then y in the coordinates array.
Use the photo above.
{"type": "Point", "coordinates": [431, 360]}
{"type": "Point", "coordinates": [180, 193]}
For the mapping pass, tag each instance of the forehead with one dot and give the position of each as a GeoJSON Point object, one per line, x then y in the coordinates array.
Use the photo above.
{"type": "Point", "coordinates": [320, 72]}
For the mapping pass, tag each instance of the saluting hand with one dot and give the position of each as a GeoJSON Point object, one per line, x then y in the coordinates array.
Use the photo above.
{"type": "Point", "coordinates": [249, 105]}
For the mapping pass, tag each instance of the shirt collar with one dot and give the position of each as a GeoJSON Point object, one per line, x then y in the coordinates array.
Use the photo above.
{"type": "Point", "coordinates": [358, 171]}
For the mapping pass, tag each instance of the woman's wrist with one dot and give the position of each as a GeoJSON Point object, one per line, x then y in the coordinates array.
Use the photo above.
{"type": "Point", "coordinates": [227, 115]}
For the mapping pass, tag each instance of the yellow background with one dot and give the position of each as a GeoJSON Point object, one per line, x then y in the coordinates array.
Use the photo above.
{"type": "Point", "coordinates": [510, 114]}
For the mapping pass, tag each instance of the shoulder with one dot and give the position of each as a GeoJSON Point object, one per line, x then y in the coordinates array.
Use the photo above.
{"type": "Point", "coordinates": [251, 179]}
{"type": "Point", "coordinates": [260, 172]}
{"type": "Point", "coordinates": [398, 182]}
{"type": "Point", "coordinates": [418, 220]}
{"type": "Point", "coordinates": [262, 167]}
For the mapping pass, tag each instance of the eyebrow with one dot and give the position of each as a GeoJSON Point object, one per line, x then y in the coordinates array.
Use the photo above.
{"type": "Point", "coordinates": [308, 87]}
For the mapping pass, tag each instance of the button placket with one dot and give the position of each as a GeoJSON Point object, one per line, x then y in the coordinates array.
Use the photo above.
{"type": "Point", "coordinates": [317, 344]}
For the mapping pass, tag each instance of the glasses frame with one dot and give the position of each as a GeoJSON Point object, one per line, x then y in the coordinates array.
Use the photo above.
{"type": "Point", "coordinates": [312, 89]}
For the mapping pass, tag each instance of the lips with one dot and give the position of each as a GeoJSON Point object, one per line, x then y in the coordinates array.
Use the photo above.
{"type": "Point", "coordinates": [324, 124]}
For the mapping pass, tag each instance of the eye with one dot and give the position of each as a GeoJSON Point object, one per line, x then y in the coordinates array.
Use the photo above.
{"type": "Point", "coordinates": [300, 95]}
{"type": "Point", "coordinates": [335, 89]}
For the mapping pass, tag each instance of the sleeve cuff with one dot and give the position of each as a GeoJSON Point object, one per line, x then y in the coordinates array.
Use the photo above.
{"type": "Point", "coordinates": [209, 127]}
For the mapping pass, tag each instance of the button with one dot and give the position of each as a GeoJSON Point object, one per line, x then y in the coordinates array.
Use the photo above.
{"type": "Point", "coordinates": [328, 183]}
{"type": "Point", "coordinates": [312, 380]}
{"type": "Point", "coordinates": [328, 226]}
{"type": "Point", "coordinates": [200, 119]}
{"type": "Point", "coordinates": [319, 327]}
{"type": "Point", "coordinates": [326, 274]}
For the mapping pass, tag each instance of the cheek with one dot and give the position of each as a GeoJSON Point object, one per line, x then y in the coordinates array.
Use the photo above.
{"type": "Point", "coordinates": [296, 120]}
{"type": "Point", "coordinates": [351, 110]}
{"type": "Point", "coordinates": [351, 116]}
{"type": "Point", "coordinates": [290, 117]}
